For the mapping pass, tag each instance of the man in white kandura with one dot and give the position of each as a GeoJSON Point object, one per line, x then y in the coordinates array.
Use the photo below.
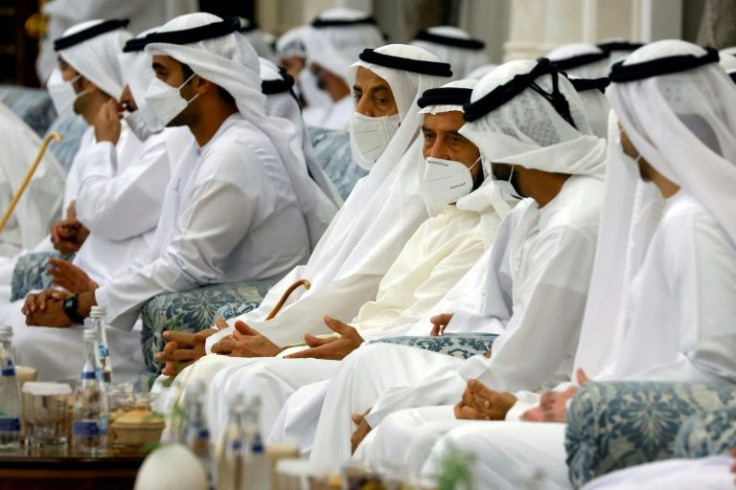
{"type": "Point", "coordinates": [441, 251]}
{"type": "Point", "coordinates": [455, 46]}
{"type": "Point", "coordinates": [367, 235]}
{"type": "Point", "coordinates": [333, 42]}
{"type": "Point", "coordinates": [661, 301]}
{"type": "Point", "coordinates": [528, 116]}
{"type": "Point", "coordinates": [41, 202]}
{"type": "Point", "coordinates": [208, 79]}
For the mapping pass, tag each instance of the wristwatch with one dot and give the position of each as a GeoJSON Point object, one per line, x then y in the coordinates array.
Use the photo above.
{"type": "Point", "coordinates": [70, 305]}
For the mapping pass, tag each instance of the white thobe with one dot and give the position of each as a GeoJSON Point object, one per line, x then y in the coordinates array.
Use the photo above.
{"type": "Point", "coordinates": [117, 193]}
{"type": "Point", "coordinates": [711, 473]}
{"type": "Point", "coordinates": [42, 199]}
{"type": "Point", "coordinates": [229, 215]}
{"type": "Point", "coordinates": [541, 280]}
{"type": "Point", "coordinates": [441, 251]}
{"type": "Point", "coordinates": [679, 327]}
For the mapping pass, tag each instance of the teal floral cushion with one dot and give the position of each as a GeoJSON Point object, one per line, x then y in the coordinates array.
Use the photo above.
{"type": "Point", "coordinates": [195, 310]}
{"type": "Point", "coordinates": [707, 434]}
{"type": "Point", "coordinates": [30, 273]}
{"type": "Point", "coordinates": [461, 346]}
{"type": "Point", "coordinates": [332, 149]}
{"type": "Point", "coordinates": [621, 424]}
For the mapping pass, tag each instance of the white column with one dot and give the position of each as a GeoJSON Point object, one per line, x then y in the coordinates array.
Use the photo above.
{"type": "Point", "coordinates": [661, 19]}
{"type": "Point", "coordinates": [526, 32]}
{"type": "Point", "coordinates": [563, 23]}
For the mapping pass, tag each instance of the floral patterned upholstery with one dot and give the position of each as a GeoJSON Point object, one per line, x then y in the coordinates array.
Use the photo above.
{"type": "Point", "coordinates": [71, 129]}
{"type": "Point", "coordinates": [32, 105]}
{"type": "Point", "coordinates": [707, 434]}
{"type": "Point", "coordinates": [194, 310]}
{"type": "Point", "coordinates": [332, 149]}
{"type": "Point", "coordinates": [616, 425]}
{"type": "Point", "coordinates": [461, 346]}
{"type": "Point", "coordinates": [30, 273]}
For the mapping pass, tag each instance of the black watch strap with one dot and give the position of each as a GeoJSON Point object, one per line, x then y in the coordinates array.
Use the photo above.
{"type": "Point", "coordinates": [70, 307]}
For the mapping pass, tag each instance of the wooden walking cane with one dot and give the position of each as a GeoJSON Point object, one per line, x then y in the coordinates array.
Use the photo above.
{"type": "Point", "coordinates": [29, 175]}
{"type": "Point", "coordinates": [285, 296]}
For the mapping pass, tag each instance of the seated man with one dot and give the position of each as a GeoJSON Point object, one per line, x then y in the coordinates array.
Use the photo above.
{"type": "Point", "coordinates": [334, 40]}
{"type": "Point", "coordinates": [441, 251]}
{"type": "Point", "coordinates": [217, 94]}
{"type": "Point", "coordinates": [528, 116]}
{"type": "Point", "coordinates": [661, 302]}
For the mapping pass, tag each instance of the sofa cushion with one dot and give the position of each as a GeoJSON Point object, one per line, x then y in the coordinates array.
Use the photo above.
{"type": "Point", "coordinates": [194, 310]}
{"type": "Point", "coordinates": [332, 149]}
{"type": "Point", "coordinates": [30, 273]}
{"type": "Point", "coordinates": [461, 346]}
{"type": "Point", "coordinates": [707, 434]}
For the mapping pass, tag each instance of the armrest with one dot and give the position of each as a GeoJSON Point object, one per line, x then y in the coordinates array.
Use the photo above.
{"type": "Point", "coordinates": [707, 434]}
{"type": "Point", "coordinates": [195, 310]}
{"type": "Point", "coordinates": [616, 425]}
{"type": "Point", "coordinates": [29, 273]}
{"type": "Point", "coordinates": [461, 346]}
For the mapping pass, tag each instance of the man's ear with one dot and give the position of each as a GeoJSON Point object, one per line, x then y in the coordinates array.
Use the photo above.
{"type": "Point", "coordinates": [202, 85]}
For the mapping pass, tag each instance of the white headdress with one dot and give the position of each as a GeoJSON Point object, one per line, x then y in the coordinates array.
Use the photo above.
{"type": "Point", "coordinates": [582, 60]}
{"type": "Point", "coordinates": [92, 49]}
{"type": "Point", "coordinates": [455, 46]}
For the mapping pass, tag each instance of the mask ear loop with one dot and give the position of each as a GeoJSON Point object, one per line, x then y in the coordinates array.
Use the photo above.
{"type": "Point", "coordinates": [178, 89]}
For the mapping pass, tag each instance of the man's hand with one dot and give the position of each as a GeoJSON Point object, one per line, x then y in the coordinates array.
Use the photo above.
{"type": "Point", "coordinates": [46, 309]}
{"type": "Point", "coordinates": [334, 349]}
{"type": "Point", "coordinates": [439, 324]}
{"type": "Point", "coordinates": [70, 277]}
{"type": "Point", "coordinates": [553, 404]}
{"type": "Point", "coordinates": [246, 342]}
{"type": "Point", "coordinates": [107, 123]}
{"type": "Point", "coordinates": [183, 348]}
{"type": "Point", "coordinates": [68, 236]}
{"type": "Point", "coordinates": [363, 430]}
{"type": "Point", "coordinates": [482, 403]}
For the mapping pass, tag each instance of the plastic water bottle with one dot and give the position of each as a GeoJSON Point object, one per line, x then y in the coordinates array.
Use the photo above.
{"type": "Point", "coordinates": [97, 314]}
{"type": "Point", "coordinates": [197, 437]}
{"type": "Point", "coordinates": [9, 394]}
{"type": "Point", "coordinates": [89, 427]}
{"type": "Point", "coordinates": [230, 454]}
{"type": "Point", "coordinates": [257, 469]}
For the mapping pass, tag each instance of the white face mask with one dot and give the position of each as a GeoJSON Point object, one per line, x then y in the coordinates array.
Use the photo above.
{"type": "Point", "coordinates": [143, 123]}
{"type": "Point", "coordinates": [446, 181]}
{"type": "Point", "coordinates": [506, 188]}
{"type": "Point", "coordinates": [369, 137]}
{"type": "Point", "coordinates": [166, 101]}
{"type": "Point", "coordinates": [62, 93]}
{"type": "Point", "coordinates": [313, 95]}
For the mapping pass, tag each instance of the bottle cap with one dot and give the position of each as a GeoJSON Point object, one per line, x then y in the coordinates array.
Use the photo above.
{"type": "Point", "coordinates": [89, 334]}
{"type": "Point", "coordinates": [98, 311]}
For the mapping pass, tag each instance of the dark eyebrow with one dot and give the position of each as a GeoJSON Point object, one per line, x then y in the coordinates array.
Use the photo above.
{"type": "Point", "coordinates": [158, 66]}
{"type": "Point", "coordinates": [376, 88]}
{"type": "Point", "coordinates": [425, 128]}
{"type": "Point", "coordinates": [357, 89]}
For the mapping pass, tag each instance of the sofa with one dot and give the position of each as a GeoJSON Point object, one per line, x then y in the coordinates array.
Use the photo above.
{"type": "Point", "coordinates": [616, 425]}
